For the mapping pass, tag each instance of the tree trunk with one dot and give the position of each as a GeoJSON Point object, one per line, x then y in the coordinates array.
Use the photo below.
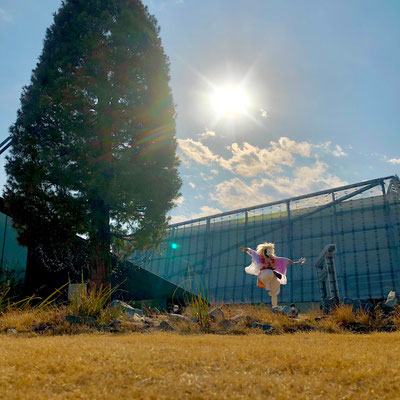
{"type": "Point", "coordinates": [100, 264]}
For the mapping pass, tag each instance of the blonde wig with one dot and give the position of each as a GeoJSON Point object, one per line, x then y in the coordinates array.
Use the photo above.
{"type": "Point", "coordinates": [264, 246]}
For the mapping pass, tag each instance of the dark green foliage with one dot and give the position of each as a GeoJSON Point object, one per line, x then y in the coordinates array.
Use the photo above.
{"type": "Point", "coordinates": [93, 144]}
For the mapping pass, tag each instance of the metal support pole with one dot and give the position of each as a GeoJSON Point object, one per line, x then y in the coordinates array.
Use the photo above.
{"type": "Point", "coordinates": [205, 249]}
{"type": "Point", "coordinates": [341, 262]}
{"type": "Point", "coordinates": [332, 278]}
{"type": "Point", "coordinates": [390, 236]}
{"type": "Point", "coordinates": [290, 248]}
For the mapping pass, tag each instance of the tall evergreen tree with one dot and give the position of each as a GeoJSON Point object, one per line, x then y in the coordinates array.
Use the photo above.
{"type": "Point", "coordinates": [94, 148]}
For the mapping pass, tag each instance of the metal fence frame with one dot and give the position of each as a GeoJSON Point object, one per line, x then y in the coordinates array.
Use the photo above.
{"type": "Point", "coordinates": [286, 223]}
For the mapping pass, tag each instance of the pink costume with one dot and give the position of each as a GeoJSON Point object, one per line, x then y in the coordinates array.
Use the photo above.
{"type": "Point", "coordinates": [278, 264]}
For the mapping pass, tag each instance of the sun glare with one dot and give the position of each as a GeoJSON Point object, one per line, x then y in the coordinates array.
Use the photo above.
{"type": "Point", "coordinates": [230, 101]}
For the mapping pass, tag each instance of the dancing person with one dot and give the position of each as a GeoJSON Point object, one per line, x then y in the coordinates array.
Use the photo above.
{"type": "Point", "coordinates": [269, 269]}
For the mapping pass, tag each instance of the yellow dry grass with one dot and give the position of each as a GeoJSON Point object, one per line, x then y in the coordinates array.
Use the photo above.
{"type": "Point", "coordinates": [173, 366]}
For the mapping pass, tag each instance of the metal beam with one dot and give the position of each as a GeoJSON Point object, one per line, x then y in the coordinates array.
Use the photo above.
{"type": "Point", "coordinates": [373, 182]}
{"type": "Point", "coordinates": [4, 145]}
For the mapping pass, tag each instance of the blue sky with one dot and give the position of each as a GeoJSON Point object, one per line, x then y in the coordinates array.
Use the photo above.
{"type": "Point", "coordinates": [321, 78]}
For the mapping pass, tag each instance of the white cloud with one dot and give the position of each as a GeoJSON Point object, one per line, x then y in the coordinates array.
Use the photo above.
{"type": "Point", "coordinates": [192, 185]}
{"type": "Point", "coordinates": [179, 200]}
{"type": "Point", "coordinates": [236, 193]}
{"type": "Point", "coordinates": [5, 16]}
{"type": "Point", "coordinates": [303, 148]}
{"type": "Point", "coordinates": [249, 161]}
{"type": "Point", "coordinates": [305, 180]}
{"type": "Point", "coordinates": [338, 152]}
{"type": "Point", "coordinates": [246, 160]}
{"type": "Point", "coordinates": [206, 134]}
{"type": "Point", "coordinates": [195, 151]}
{"type": "Point", "coordinates": [263, 113]}
{"type": "Point", "coordinates": [335, 150]}
{"type": "Point", "coordinates": [393, 161]}
{"type": "Point", "coordinates": [264, 166]}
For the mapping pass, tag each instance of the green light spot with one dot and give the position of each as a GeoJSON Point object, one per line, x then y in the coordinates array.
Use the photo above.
{"type": "Point", "coordinates": [174, 246]}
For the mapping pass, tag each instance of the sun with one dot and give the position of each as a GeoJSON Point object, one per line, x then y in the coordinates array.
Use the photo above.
{"type": "Point", "coordinates": [230, 101]}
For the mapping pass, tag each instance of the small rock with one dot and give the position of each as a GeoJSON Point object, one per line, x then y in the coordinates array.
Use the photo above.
{"type": "Point", "coordinates": [11, 331]}
{"type": "Point", "coordinates": [267, 328]}
{"type": "Point", "coordinates": [225, 323]}
{"type": "Point", "coordinates": [286, 310]}
{"type": "Point", "coordinates": [126, 308]}
{"type": "Point", "coordinates": [165, 326]}
{"type": "Point", "coordinates": [217, 315]}
{"type": "Point", "coordinates": [178, 318]}
{"type": "Point", "coordinates": [293, 312]}
{"type": "Point", "coordinates": [392, 299]}
{"type": "Point", "coordinates": [138, 318]}
{"type": "Point", "coordinates": [177, 310]}
{"type": "Point", "coordinates": [280, 310]}
{"type": "Point", "coordinates": [255, 325]}
{"type": "Point", "coordinates": [78, 320]}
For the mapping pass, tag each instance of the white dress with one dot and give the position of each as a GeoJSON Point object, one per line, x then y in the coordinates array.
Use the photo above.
{"type": "Point", "coordinates": [255, 267]}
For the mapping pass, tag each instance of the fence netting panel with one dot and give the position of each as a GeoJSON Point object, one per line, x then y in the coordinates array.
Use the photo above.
{"type": "Point", "coordinates": [363, 221]}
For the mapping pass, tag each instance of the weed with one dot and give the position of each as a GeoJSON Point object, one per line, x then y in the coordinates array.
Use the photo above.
{"type": "Point", "coordinates": [91, 303]}
{"type": "Point", "coordinates": [109, 314]}
{"type": "Point", "coordinates": [199, 303]}
{"type": "Point", "coordinates": [200, 306]}
{"type": "Point", "coordinates": [343, 315]}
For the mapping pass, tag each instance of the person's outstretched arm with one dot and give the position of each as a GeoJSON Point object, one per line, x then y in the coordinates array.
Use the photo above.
{"type": "Point", "coordinates": [301, 261]}
{"type": "Point", "coordinates": [249, 251]}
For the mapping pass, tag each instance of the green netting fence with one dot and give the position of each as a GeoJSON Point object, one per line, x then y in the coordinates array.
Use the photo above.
{"type": "Point", "coordinates": [362, 219]}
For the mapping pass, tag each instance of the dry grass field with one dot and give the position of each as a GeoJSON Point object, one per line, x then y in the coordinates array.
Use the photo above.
{"type": "Point", "coordinates": [176, 366]}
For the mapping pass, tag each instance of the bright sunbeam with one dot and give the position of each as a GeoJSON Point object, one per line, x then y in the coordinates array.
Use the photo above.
{"type": "Point", "coordinates": [230, 101]}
